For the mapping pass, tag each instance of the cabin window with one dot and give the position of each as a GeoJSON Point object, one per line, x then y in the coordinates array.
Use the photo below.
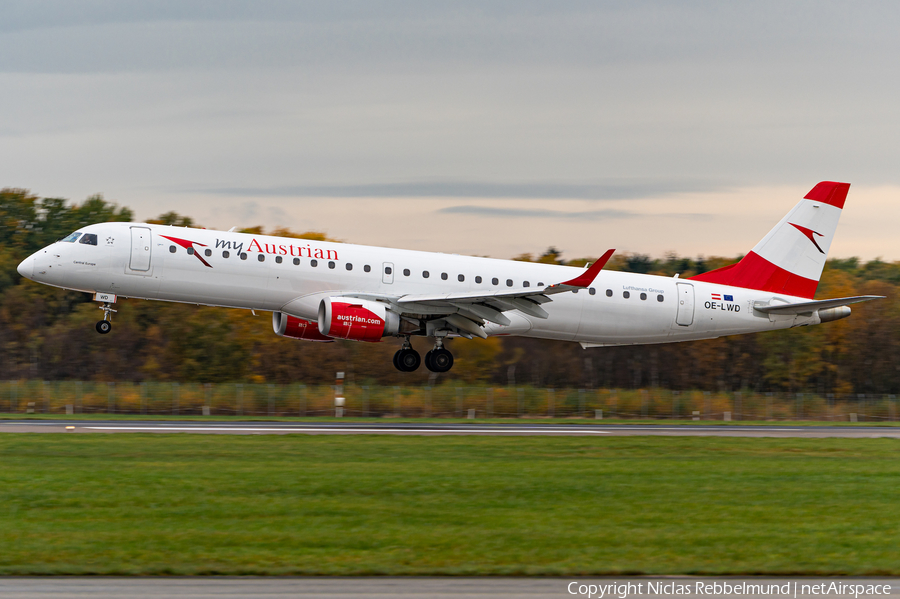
{"type": "Point", "coordinates": [643, 296]}
{"type": "Point", "coordinates": [495, 281]}
{"type": "Point", "coordinates": [609, 293]}
{"type": "Point", "coordinates": [526, 284]}
{"type": "Point", "coordinates": [261, 257]}
{"type": "Point", "coordinates": [388, 270]}
{"type": "Point", "coordinates": [243, 255]}
{"type": "Point", "coordinates": [461, 278]}
{"type": "Point", "coordinates": [478, 279]}
{"type": "Point", "coordinates": [626, 295]}
{"type": "Point", "coordinates": [278, 259]}
{"type": "Point", "coordinates": [540, 284]}
{"type": "Point", "coordinates": [208, 253]}
{"type": "Point", "coordinates": [314, 263]}
{"type": "Point", "coordinates": [405, 272]}
{"type": "Point", "coordinates": [367, 268]}
{"type": "Point", "coordinates": [172, 249]}
{"type": "Point", "coordinates": [509, 282]}
{"type": "Point", "coordinates": [660, 298]}
{"type": "Point", "coordinates": [330, 264]}
{"type": "Point", "coordinates": [225, 254]}
{"type": "Point", "coordinates": [349, 266]}
{"type": "Point", "coordinates": [296, 261]}
{"type": "Point", "coordinates": [190, 251]}
{"type": "Point", "coordinates": [425, 274]}
{"type": "Point", "coordinates": [592, 291]}
{"type": "Point", "coordinates": [444, 276]}
{"type": "Point", "coordinates": [89, 239]}
{"type": "Point", "coordinates": [71, 237]}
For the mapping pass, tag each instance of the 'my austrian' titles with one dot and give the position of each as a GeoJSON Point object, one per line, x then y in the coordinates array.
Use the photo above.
{"type": "Point", "coordinates": [279, 249]}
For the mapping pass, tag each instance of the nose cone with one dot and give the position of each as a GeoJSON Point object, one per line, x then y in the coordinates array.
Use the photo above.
{"type": "Point", "coordinates": [26, 268]}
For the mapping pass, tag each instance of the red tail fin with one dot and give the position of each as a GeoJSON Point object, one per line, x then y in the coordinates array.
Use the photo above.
{"type": "Point", "coordinates": [791, 257]}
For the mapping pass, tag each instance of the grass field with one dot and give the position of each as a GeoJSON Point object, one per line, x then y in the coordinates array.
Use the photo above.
{"type": "Point", "coordinates": [193, 504]}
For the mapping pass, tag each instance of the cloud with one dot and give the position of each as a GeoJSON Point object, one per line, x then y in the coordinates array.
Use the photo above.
{"type": "Point", "coordinates": [581, 215]}
{"type": "Point", "coordinates": [538, 213]}
{"type": "Point", "coordinates": [248, 211]}
{"type": "Point", "coordinates": [616, 190]}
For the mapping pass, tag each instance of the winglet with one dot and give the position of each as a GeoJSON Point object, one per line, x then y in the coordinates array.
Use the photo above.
{"type": "Point", "coordinates": [588, 276]}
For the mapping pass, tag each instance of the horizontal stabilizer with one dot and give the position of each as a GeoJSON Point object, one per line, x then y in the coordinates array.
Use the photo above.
{"type": "Point", "coordinates": [804, 307]}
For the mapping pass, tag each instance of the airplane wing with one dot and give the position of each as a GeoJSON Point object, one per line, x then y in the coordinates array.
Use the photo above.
{"type": "Point", "coordinates": [469, 310]}
{"type": "Point", "coordinates": [807, 307]}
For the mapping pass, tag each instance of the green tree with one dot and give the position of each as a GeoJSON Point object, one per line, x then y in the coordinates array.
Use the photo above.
{"type": "Point", "coordinates": [173, 219]}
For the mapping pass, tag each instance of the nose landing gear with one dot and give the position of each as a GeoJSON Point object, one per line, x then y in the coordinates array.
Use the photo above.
{"type": "Point", "coordinates": [105, 325]}
{"type": "Point", "coordinates": [407, 359]}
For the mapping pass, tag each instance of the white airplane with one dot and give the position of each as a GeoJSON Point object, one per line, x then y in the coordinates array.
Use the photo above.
{"type": "Point", "coordinates": [320, 291]}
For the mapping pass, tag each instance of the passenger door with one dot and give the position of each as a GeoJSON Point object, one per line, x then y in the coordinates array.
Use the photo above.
{"type": "Point", "coordinates": [140, 250]}
{"type": "Point", "coordinates": [685, 315]}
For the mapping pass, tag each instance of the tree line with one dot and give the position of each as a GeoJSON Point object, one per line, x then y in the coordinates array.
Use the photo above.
{"type": "Point", "coordinates": [48, 333]}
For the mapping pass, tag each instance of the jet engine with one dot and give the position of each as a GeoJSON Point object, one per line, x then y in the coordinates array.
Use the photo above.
{"type": "Point", "coordinates": [356, 319]}
{"type": "Point", "coordinates": [296, 328]}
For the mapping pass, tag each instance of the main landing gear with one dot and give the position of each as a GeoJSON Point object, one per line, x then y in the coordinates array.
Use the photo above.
{"type": "Point", "coordinates": [407, 359]}
{"type": "Point", "coordinates": [437, 360]}
{"type": "Point", "coordinates": [105, 325]}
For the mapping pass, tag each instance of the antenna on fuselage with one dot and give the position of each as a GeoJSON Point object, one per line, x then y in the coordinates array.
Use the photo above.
{"type": "Point", "coordinates": [231, 230]}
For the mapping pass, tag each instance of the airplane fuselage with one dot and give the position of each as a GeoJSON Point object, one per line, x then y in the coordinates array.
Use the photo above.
{"type": "Point", "coordinates": [293, 276]}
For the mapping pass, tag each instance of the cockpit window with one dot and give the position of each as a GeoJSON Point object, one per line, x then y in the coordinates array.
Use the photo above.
{"type": "Point", "coordinates": [89, 239]}
{"type": "Point", "coordinates": [71, 237]}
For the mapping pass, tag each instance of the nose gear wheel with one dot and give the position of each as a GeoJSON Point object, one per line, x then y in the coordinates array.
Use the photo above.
{"type": "Point", "coordinates": [105, 325]}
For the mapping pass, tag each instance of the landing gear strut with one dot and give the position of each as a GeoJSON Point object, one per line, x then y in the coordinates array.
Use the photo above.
{"type": "Point", "coordinates": [105, 325]}
{"type": "Point", "coordinates": [439, 359]}
{"type": "Point", "coordinates": [407, 359]}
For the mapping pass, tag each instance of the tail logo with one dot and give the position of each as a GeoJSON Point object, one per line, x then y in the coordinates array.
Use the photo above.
{"type": "Point", "coordinates": [809, 235]}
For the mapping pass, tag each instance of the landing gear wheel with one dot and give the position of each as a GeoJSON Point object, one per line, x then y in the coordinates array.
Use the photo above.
{"type": "Point", "coordinates": [407, 360]}
{"type": "Point", "coordinates": [105, 325]}
{"type": "Point", "coordinates": [439, 360]}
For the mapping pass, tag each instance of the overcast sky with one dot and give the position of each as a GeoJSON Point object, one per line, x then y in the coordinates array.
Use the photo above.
{"type": "Point", "coordinates": [490, 128]}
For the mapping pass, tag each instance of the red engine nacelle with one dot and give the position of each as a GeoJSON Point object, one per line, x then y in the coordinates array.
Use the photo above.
{"type": "Point", "coordinates": [356, 319]}
{"type": "Point", "coordinates": [296, 328]}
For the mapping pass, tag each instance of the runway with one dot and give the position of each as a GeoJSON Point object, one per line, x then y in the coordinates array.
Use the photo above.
{"type": "Point", "coordinates": [419, 587]}
{"type": "Point", "coordinates": [493, 429]}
